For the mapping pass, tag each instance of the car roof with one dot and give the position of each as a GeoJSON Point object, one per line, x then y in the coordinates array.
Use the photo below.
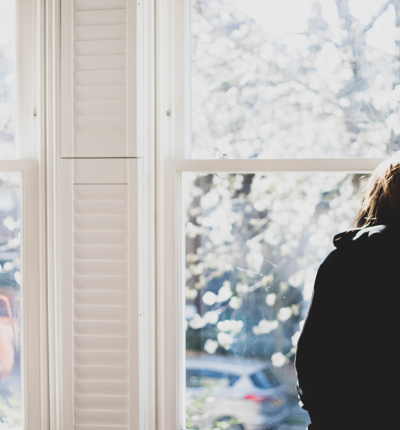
{"type": "Point", "coordinates": [226, 364]}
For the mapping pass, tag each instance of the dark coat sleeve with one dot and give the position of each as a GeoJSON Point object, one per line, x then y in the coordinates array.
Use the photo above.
{"type": "Point", "coordinates": [313, 345]}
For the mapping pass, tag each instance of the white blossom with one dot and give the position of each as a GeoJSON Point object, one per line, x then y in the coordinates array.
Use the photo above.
{"type": "Point", "coordinates": [210, 346]}
{"type": "Point", "coordinates": [278, 359]}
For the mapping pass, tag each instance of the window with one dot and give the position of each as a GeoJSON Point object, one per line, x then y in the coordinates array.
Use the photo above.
{"type": "Point", "coordinates": [19, 242]}
{"type": "Point", "coordinates": [268, 112]}
{"type": "Point", "coordinates": [7, 79]}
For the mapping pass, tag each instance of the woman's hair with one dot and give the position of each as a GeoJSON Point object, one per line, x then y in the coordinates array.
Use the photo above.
{"type": "Point", "coordinates": [381, 198]}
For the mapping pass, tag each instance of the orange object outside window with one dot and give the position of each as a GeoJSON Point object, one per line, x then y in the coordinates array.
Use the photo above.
{"type": "Point", "coordinates": [8, 337]}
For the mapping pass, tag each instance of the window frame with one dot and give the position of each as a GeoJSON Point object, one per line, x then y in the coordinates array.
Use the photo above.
{"type": "Point", "coordinates": [29, 140]}
{"type": "Point", "coordinates": [30, 309]}
{"type": "Point", "coordinates": [172, 159]}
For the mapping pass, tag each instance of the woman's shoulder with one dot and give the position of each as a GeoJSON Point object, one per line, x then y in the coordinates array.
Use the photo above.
{"type": "Point", "coordinates": [366, 248]}
{"type": "Point", "coordinates": [388, 234]}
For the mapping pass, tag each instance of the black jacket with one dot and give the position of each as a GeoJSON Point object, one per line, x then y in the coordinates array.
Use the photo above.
{"type": "Point", "coordinates": [347, 358]}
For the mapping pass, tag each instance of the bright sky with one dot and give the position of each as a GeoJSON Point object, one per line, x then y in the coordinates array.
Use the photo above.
{"type": "Point", "coordinates": [282, 17]}
{"type": "Point", "coordinates": [7, 24]}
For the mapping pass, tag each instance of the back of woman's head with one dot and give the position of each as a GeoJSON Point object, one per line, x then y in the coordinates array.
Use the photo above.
{"type": "Point", "coordinates": [381, 199]}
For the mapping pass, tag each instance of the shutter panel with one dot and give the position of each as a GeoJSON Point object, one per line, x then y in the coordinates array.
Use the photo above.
{"type": "Point", "coordinates": [98, 76]}
{"type": "Point", "coordinates": [101, 306]}
{"type": "Point", "coordinates": [100, 205]}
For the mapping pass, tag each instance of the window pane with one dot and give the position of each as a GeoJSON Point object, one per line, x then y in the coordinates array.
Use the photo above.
{"type": "Point", "coordinates": [253, 246]}
{"type": "Point", "coordinates": [290, 78]}
{"type": "Point", "coordinates": [10, 298]}
{"type": "Point", "coordinates": [7, 78]}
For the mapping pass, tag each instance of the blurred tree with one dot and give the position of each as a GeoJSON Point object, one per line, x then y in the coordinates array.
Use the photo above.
{"type": "Point", "coordinates": [253, 245]}
{"type": "Point", "coordinates": [328, 87]}
{"type": "Point", "coordinates": [331, 89]}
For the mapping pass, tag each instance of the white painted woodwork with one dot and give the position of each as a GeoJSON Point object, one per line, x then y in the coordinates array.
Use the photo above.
{"type": "Point", "coordinates": [102, 171]}
{"type": "Point", "coordinates": [98, 78]}
{"type": "Point", "coordinates": [101, 303]}
{"type": "Point", "coordinates": [100, 317]}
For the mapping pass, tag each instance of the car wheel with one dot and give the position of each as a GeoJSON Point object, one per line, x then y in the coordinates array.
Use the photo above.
{"type": "Point", "coordinates": [236, 427]}
{"type": "Point", "coordinates": [227, 423]}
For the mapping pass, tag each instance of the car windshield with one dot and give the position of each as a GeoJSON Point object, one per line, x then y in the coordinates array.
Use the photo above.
{"type": "Point", "coordinates": [264, 379]}
{"type": "Point", "coordinates": [209, 378]}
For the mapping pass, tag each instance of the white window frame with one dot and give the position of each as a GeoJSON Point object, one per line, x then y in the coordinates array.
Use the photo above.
{"type": "Point", "coordinates": [30, 303]}
{"type": "Point", "coordinates": [29, 138]}
{"type": "Point", "coordinates": [172, 159]}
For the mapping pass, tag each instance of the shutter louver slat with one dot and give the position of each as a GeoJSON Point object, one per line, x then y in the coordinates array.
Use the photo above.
{"type": "Point", "coordinates": [106, 252]}
{"type": "Point", "coordinates": [107, 77]}
{"type": "Point", "coordinates": [100, 62]}
{"type": "Point", "coordinates": [100, 93]}
{"type": "Point", "coordinates": [100, 427]}
{"type": "Point", "coordinates": [101, 313]}
{"type": "Point", "coordinates": [98, 237]}
{"type": "Point", "coordinates": [100, 32]}
{"type": "Point", "coordinates": [102, 417]}
{"type": "Point", "coordinates": [101, 207]}
{"type": "Point", "coordinates": [100, 47]}
{"type": "Point", "coordinates": [102, 267]}
{"type": "Point", "coordinates": [100, 343]}
{"type": "Point", "coordinates": [114, 283]}
{"type": "Point", "coordinates": [100, 222]}
{"type": "Point", "coordinates": [101, 192]}
{"type": "Point", "coordinates": [106, 298]}
{"type": "Point", "coordinates": [102, 373]}
{"type": "Point", "coordinates": [100, 123]}
{"type": "Point", "coordinates": [85, 142]}
{"type": "Point", "coordinates": [113, 107]}
{"type": "Point", "coordinates": [100, 17]}
{"type": "Point", "coordinates": [99, 4]}
{"type": "Point", "coordinates": [98, 328]}
{"type": "Point", "coordinates": [101, 297]}
{"type": "Point", "coordinates": [102, 388]}
{"type": "Point", "coordinates": [106, 358]}
{"type": "Point", "coordinates": [102, 402]}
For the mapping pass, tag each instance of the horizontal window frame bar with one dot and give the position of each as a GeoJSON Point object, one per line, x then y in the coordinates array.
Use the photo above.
{"type": "Point", "coordinates": [17, 165]}
{"type": "Point", "coordinates": [350, 165]}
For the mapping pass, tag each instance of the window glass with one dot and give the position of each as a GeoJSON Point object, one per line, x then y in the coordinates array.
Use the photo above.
{"type": "Point", "coordinates": [7, 78]}
{"type": "Point", "coordinates": [208, 378]}
{"type": "Point", "coordinates": [253, 246]}
{"type": "Point", "coordinates": [270, 377]}
{"type": "Point", "coordinates": [290, 78]}
{"type": "Point", "coordinates": [10, 298]}
{"type": "Point", "coordinates": [264, 379]}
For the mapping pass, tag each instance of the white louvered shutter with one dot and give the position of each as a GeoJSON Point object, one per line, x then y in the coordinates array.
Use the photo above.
{"type": "Point", "coordinates": [100, 294]}
{"type": "Point", "coordinates": [99, 86]}
{"type": "Point", "coordinates": [100, 207]}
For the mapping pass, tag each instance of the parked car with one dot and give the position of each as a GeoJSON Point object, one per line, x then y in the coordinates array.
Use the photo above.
{"type": "Point", "coordinates": [9, 333]}
{"type": "Point", "coordinates": [242, 394]}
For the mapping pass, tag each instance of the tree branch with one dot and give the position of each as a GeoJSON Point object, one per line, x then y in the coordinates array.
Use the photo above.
{"type": "Point", "coordinates": [380, 12]}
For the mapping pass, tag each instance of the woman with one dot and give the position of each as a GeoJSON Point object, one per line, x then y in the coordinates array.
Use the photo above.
{"type": "Point", "coordinates": [347, 359]}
